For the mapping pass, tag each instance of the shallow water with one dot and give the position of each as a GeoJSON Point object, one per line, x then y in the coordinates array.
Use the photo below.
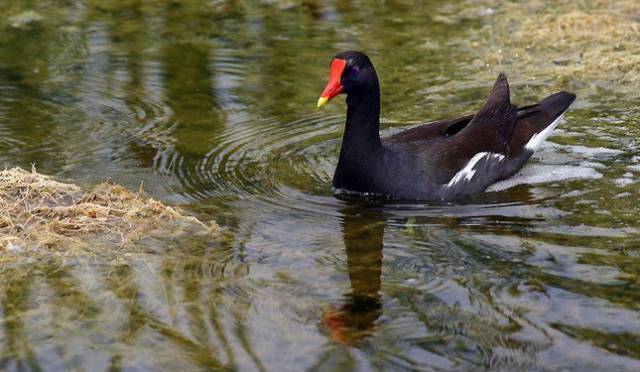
{"type": "Point", "coordinates": [212, 106]}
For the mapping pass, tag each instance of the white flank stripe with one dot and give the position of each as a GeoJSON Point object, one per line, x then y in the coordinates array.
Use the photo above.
{"type": "Point", "coordinates": [538, 138]}
{"type": "Point", "coordinates": [466, 173]}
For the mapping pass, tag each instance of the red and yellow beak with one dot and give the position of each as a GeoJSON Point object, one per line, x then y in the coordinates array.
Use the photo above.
{"type": "Point", "coordinates": [333, 87]}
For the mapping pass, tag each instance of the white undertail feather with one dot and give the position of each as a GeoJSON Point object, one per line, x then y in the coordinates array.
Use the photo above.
{"type": "Point", "coordinates": [467, 173]}
{"type": "Point", "coordinates": [538, 138]}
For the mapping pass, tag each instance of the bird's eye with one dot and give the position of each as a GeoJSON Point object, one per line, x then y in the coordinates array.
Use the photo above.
{"type": "Point", "coordinates": [355, 70]}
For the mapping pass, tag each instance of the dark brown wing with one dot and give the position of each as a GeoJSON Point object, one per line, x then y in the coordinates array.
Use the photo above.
{"type": "Point", "coordinates": [491, 127]}
{"type": "Point", "coordinates": [488, 131]}
{"type": "Point", "coordinates": [431, 131]}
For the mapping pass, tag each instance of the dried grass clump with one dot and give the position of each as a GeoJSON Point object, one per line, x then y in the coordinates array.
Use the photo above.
{"type": "Point", "coordinates": [37, 211]}
{"type": "Point", "coordinates": [596, 43]}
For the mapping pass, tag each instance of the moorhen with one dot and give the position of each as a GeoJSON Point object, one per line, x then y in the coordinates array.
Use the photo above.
{"type": "Point", "coordinates": [440, 161]}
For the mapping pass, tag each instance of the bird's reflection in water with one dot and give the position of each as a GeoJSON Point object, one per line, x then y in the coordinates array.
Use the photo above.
{"type": "Point", "coordinates": [353, 320]}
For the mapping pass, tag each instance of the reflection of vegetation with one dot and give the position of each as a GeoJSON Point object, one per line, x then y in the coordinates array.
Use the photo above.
{"type": "Point", "coordinates": [189, 88]}
{"type": "Point", "coordinates": [623, 343]}
{"type": "Point", "coordinates": [71, 304]}
{"type": "Point", "coordinates": [199, 352]}
{"type": "Point", "coordinates": [16, 350]}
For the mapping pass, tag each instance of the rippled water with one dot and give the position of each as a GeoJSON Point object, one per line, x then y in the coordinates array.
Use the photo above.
{"type": "Point", "coordinates": [211, 105]}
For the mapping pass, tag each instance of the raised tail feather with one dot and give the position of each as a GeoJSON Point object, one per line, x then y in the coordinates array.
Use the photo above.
{"type": "Point", "coordinates": [536, 122]}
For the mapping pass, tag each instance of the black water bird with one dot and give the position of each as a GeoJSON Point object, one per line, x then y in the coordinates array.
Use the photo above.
{"type": "Point", "coordinates": [440, 161]}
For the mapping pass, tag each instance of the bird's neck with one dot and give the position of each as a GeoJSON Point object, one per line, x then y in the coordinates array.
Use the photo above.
{"type": "Point", "coordinates": [363, 119]}
{"type": "Point", "coordinates": [361, 145]}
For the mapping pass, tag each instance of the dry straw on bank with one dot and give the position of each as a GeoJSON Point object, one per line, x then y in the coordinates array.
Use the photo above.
{"type": "Point", "coordinates": [41, 213]}
{"type": "Point", "coordinates": [585, 42]}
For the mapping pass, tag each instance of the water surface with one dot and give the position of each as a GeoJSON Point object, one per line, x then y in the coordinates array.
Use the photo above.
{"type": "Point", "coordinates": [212, 106]}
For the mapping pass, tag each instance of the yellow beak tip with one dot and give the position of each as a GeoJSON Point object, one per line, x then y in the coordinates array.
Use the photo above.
{"type": "Point", "coordinates": [322, 101]}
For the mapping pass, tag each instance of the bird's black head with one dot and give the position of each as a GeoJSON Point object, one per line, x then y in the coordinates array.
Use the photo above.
{"type": "Point", "coordinates": [350, 72]}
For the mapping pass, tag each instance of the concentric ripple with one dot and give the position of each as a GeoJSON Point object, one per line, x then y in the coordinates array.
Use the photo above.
{"type": "Point", "coordinates": [283, 165]}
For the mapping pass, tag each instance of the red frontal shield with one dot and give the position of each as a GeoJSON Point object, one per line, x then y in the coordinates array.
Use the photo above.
{"type": "Point", "coordinates": [333, 87]}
